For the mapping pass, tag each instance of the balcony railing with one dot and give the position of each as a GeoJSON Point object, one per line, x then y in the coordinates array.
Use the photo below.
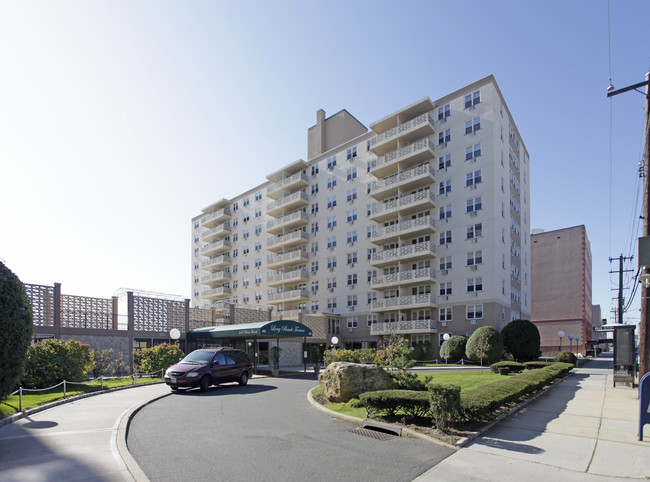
{"type": "Point", "coordinates": [424, 120]}
{"type": "Point", "coordinates": [220, 215]}
{"type": "Point", "coordinates": [424, 249]}
{"type": "Point", "coordinates": [425, 173]}
{"type": "Point", "coordinates": [404, 327]}
{"type": "Point", "coordinates": [420, 200]}
{"type": "Point", "coordinates": [215, 277]}
{"type": "Point", "coordinates": [296, 237]}
{"type": "Point", "coordinates": [403, 277]}
{"type": "Point", "coordinates": [412, 226]}
{"type": "Point", "coordinates": [215, 292]}
{"type": "Point", "coordinates": [403, 302]}
{"type": "Point", "coordinates": [292, 257]}
{"type": "Point", "coordinates": [288, 277]}
{"type": "Point", "coordinates": [297, 180]}
{"type": "Point", "coordinates": [216, 247]}
{"type": "Point", "coordinates": [217, 232]}
{"type": "Point", "coordinates": [287, 202]}
{"type": "Point", "coordinates": [419, 151]}
{"type": "Point", "coordinates": [298, 218]}
{"type": "Point", "coordinates": [215, 262]}
{"type": "Point", "coordinates": [288, 296]}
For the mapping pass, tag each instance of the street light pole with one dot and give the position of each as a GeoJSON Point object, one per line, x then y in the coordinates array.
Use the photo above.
{"type": "Point", "coordinates": [644, 329]}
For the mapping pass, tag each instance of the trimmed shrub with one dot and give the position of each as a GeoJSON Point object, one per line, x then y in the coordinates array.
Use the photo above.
{"type": "Point", "coordinates": [412, 403]}
{"type": "Point", "coordinates": [521, 338]}
{"type": "Point", "coordinates": [485, 345]}
{"type": "Point", "coordinates": [52, 361]}
{"type": "Point", "coordinates": [453, 350]}
{"type": "Point", "coordinates": [160, 357]}
{"type": "Point", "coordinates": [566, 357]}
{"type": "Point", "coordinates": [513, 367]}
{"type": "Point", "coordinates": [533, 365]}
{"type": "Point", "coordinates": [15, 330]}
{"type": "Point", "coordinates": [444, 404]}
{"type": "Point", "coordinates": [479, 402]}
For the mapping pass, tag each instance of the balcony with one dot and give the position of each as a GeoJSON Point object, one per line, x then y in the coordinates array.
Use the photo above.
{"type": "Point", "coordinates": [216, 233]}
{"type": "Point", "coordinates": [215, 293]}
{"type": "Point", "coordinates": [412, 227]}
{"type": "Point", "coordinates": [420, 176]}
{"type": "Point", "coordinates": [426, 300]}
{"type": "Point", "coordinates": [288, 297]}
{"type": "Point", "coordinates": [287, 185]}
{"type": "Point", "coordinates": [421, 126]}
{"type": "Point", "coordinates": [215, 248]}
{"type": "Point", "coordinates": [405, 205]}
{"type": "Point", "coordinates": [221, 307]}
{"type": "Point", "coordinates": [217, 217]}
{"type": "Point", "coordinates": [290, 314]}
{"type": "Point", "coordinates": [404, 327]}
{"type": "Point", "coordinates": [295, 276]}
{"type": "Point", "coordinates": [290, 221]}
{"type": "Point", "coordinates": [410, 252]}
{"type": "Point", "coordinates": [403, 278]}
{"type": "Point", "coordinates": [216, 262]}
{"type": "Point", "coordinates": [218, 277]}
{"type": "Point", "coordinates": [298, 256]}
{"type": "Point", "coordinates": [289, 203]}
{"type": "Point", "coordinates": [285, 241]}
{"type": "Point", "coordinates": [406, 157]}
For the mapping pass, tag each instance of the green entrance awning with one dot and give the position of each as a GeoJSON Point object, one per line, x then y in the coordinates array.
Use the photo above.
{"type": "Point", "coordinates": [262, 329]}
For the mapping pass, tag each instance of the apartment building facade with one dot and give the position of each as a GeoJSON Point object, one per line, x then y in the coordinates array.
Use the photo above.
{"type": "Point", "coordinates": [417, 226]}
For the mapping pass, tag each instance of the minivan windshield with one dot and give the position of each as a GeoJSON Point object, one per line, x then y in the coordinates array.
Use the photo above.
{"type": "Point", "coordinates": [198, 357]}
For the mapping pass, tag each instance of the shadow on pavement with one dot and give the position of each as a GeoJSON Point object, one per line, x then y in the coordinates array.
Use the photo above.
{"type": "Point", "coordinates": [227, 390]}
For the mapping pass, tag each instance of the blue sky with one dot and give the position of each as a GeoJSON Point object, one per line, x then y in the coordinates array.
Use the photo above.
{"type": "Point", "coordinates": [120, 120]}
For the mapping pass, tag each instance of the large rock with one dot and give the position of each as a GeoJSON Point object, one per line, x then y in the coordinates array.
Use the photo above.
{"type": "Point", "coordinates": [342, 381]}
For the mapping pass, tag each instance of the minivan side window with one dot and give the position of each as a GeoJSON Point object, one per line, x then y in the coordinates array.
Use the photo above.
{"type": "Point", "coordinates": [230, 360]}
{"type": "Point", "coordinates": [220, 359]}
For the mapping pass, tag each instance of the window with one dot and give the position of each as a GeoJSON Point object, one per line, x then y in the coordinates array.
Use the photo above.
{"type": "Point", "coordinates": [474, 312]}
{"type": "Point", "coordinates": [352, 237]}
{"type": "Point", "coordinates": [352, 301]}
{"type": "Point", "coordinates": [444, 112]}
{"type": "Point", "coordinates": [445, 263]}
{"type": "Point", "coordinates": [474, 258]}
{"type": "Point", "coordinates": [314, 306]}
{"type": "Point", "coordinates": [445, 314]}
{"type": "Point", "coordinates": [352, 153]}
{"type": "Point", "coordinates": [314, 247]}
{"type": "Point", "coordinates": [371, 251]}
{"type": "Point", "coordinates": [351, 174]}
{"type": "Point", "coordinates": [445, 187]}
{"type": "Point", "coordinates": [331, 202]}
{"type": "Point", "coordinates": [331, 303]}
{"type": "Point", "coordinates": [475, 204]}
{"type": "Point", "coordinates": [352, 216]}
{"type": "Point", "coordinates": [352, 258]}
{"type": "Point", "coordinates": [246, 217]}
{"type": "Point", "coordinates": [314, 189]}
{"type": "Point", "coordinates": [352, 279]}
{"type": "Point", "coordinates": [246, 298]}
{"type": "Point", "coordinates": [331, 283]}
{"type": "Point", "coordinates": [445, 288]}
{"type": "Point", "coordinates": [473, 178]}
{"type": "Point", "coordinates": [331, 182]}
{"type": "Point", "coordinates": [258, 279]}
{"type": "Point", "coordinates": [444, 137]}
{"type": "Point", "coordinates": [371, 274]}
{"type": "Point", "coordinates": [314, 285]}
{"type": "Point", "coordinates": [245, 266]}
{"type": "Point", "coordinates": [246, 249]}
{"type": "Point", "coordinates": [314, 266]}
{"type": "Point", "coordinates": [472, 99]}
{"type": "Point", "coordinates": [314, 169]}
{"type": "Point", "coordinates": [245, 234]}
{"type": "Point", "coordinates": [353, 322]}
{"type": "Point", "coordinates": [445, 237]}
{"type": "Point", "coordinates": [258, 229]}
{"type": "Point", "coordinates": [371, 230]}
{"type": "Point", "coordinates": [370, 208]}
{"type": "Point", "coordinates": [473, 126]}
{"type": "Point", "coordinates": [314, 228]}
{"type": "Point", "coordinates": [352, 194]}
{"type": "Point", "coordinates": [474, 285]}
{"type": "Point", "coordinates": [372, 296]}
{"type": "Point", "coordinates": [235, 253]}
{"type": "Point", "coordinates": [472, 152]}
{"type": "Point", "coordinates": [314, 208]}
{"type": "Point", "coordinates": [331, 242]}
{"type": "Point", "coordinates": [331, 162]}
{"type": "Point", "coordinates": [245, 282]}
{"type": "Point", "coordinates": [445, 212]}
{"type": "Point", "coordinates": [444, 161]}
{"type": "Point", "coordinates": [258, 212]}
{"type": "Point", "coordinates": [235, 284]}
{"type": "Point", "coordinates": [475, 231]}
{"type": "Point", "coordinates": [258, 196]}
{"type": "Point", "coordinates": [258, 262]}
{"type": "Point", "coordinates": [331, 263]}
{"type": "Point", "coordinates": [246, 202]}
{"type": "Point", "coordinates": [235, 206]}
{"type": "Point", "coordinates": [331, 222]}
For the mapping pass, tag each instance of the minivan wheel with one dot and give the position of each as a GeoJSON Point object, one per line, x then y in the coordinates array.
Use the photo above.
{"type": "Point", "coordinates": [243, 379]}
{"type": "Point", "coordinates": [205, 383]}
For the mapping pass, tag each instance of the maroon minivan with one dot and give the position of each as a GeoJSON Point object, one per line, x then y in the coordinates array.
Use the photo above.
{"type": "Point", "coordinates": [210, 366]}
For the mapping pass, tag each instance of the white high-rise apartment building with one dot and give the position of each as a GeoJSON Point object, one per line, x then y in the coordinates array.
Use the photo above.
{"type": "Point", "coordinates": [418, 226]}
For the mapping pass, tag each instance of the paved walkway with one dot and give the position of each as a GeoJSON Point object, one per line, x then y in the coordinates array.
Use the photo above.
{"type": "Point", "coordinates": [582, 429]}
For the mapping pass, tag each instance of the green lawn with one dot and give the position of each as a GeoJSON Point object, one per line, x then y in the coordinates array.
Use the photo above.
{"type": "Point", "coordinates": [34, 399]}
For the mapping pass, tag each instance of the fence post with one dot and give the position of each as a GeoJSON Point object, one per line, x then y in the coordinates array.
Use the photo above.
{"type": "Point", "coordinates": [102, 382]}
{"type": "Point", "coordinates": [20, 399]}
{"type": "Point", "coordinates": [64, 391]}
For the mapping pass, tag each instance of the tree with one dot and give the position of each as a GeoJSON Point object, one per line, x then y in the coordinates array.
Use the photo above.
{"type": "Point", "coordinates": [103, 362]}
{"type": "Point", "coordinates": [160, 357]}
{"type": "Point", "coordinates": [453, 349]}
{"type": "Point", "coordinates": [521, 338]}
{"type": "Point", "coordinates": [16, 322]}
{"type": "Point", "coordinates": [485, 344]}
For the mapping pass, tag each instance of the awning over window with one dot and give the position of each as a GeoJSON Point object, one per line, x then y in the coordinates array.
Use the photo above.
{"type": "Point", "coordinates": [263, 329]}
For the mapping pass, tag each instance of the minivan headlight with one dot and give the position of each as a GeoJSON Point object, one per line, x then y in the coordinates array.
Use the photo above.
{"type": "Point", "coordinates": [192, 374]}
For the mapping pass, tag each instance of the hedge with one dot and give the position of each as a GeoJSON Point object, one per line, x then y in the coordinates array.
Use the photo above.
{"type": "Point", "coordinates": [512, 366]}
{"type": "Point", "coordinates": [411, 402]}
{"type": "Point", "coordinates": [532, 365]}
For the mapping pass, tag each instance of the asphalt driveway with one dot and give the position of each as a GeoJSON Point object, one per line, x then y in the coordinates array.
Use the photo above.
{"type": "Point", "coordinates": [266, 430]}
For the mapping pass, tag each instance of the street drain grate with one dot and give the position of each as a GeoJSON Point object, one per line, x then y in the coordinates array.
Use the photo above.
{"type": "Point", "coordinates": [374, 434]}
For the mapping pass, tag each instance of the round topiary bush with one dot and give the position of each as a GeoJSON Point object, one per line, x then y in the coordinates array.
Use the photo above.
{"type": "Point", "coordinates": [566, 357]}
{"type": "Point", "coordinates": [453, 350]}
{"type": "Point", "coordinates": [15, 330]}
{"type": "Point", "coordinates": [521, 338]}
{"type": "Point", "coordinates": [485, 345]}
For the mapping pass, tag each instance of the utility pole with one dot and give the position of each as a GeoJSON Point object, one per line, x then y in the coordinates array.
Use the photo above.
{"type": "Point", "coordinates": [644, 329]}
{"type": "Point", "coordinates": [621, 299]}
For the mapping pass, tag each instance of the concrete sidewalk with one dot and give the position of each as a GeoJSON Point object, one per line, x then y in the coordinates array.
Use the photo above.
{"type": "Point", "coordinates": [581, 429]}
{"type": "Point", "coordinates": [74, 441]}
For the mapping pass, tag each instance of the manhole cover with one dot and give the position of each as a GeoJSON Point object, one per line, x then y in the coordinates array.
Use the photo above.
{"type": "Point", "coordinates": [373, 434]}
